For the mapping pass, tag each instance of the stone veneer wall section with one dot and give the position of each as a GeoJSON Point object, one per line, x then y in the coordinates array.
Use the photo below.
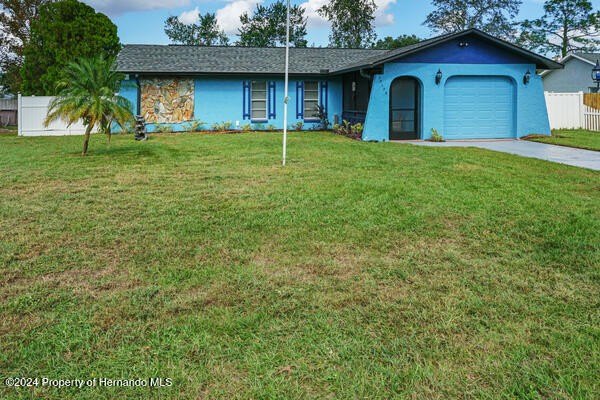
{"type": "Point", "coordinates": [167, 100]}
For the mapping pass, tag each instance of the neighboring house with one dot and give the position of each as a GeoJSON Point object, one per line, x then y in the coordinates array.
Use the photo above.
{"type": "Point", "coordinates": [467, 85]}
{"type": "Point", "coordinates": [8, 111]}
{"type": "Point", "coordinates": [575, 77]}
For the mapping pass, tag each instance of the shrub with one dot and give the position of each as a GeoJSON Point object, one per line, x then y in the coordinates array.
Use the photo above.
{"type": "Point", "coordinates": [259, 127]}
{"type": "Point", "coordinates": [435, 136]}
{"type": "Point", "coordinates": [221, 127]}
{"type": "Point", "coordinates": [323, 120]}
{"type": "Point", "coordinates": [353, 131]}
{"type": "Point", "coordinates": [197, 126]}
{"type": "Point", "coordinates": [187, 127]}
{"type": "Point", "coordinates": [246, 127]}
{"type": "Point", "coordinates": [271, 127]}
{"type": "Point", "coordinates": [357, 130]}
{"type": "Point", "coordinates": [163, 128]}
{"type": "Point", "coordinates": [298, 126]}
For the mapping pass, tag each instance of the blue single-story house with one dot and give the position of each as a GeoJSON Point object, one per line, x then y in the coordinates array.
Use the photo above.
{"type": "Point", "coordinates": [466, 85]}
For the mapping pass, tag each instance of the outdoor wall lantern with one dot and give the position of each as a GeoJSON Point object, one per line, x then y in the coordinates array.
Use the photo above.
{"type": "Point", "coordinates": [527, 77]}
{"type": "Point", "coordinates": [438, 77]}
{"type": "Point", "coordinates": [596, 74]}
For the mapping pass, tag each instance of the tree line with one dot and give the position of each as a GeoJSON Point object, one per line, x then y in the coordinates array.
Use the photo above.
{"type": "Point", "coordinates": [566, 25]}
{"type": "Point", "coordinates": [38, 38]}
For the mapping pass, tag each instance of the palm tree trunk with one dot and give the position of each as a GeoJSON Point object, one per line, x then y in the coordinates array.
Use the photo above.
{"type": "Point", "coordinates": [86, 140]}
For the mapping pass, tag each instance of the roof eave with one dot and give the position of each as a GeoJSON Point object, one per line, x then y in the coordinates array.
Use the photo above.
{"type": "Point", "coordinates": [204, 73]}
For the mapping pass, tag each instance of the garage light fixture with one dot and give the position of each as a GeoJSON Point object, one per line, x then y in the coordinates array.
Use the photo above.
{"type": "Point", "coordinates": [527, 77]}
{"type": "Point", "coordinates": [438, 77]}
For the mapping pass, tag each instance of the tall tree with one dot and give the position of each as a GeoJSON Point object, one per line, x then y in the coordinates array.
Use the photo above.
{"type": "Point", "coordinates": [389, 43]}
{"type": "Point", "coordinates": [205, 32]}
{"type": "Point", "coordinates": [351, 22]}
{"type": "Point", "coordinates": [567, 25]}
{"type": "Point", "coordinates": [86, 92]}
{"type": "Point", "coordinates": [496, 17]}
{"type": "Point", "coordinates": [15, 22]}
{"type": "Point", "coordinates": [266, 26]}
{"type": "Point", "coordinates": [65, 30]}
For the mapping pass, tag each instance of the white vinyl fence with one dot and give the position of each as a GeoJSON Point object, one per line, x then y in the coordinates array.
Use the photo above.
{"type": "Point", "coordinates": [32, 112]}
{"type": "Point", "coordinates": [591, 118]}
{"type": "Point", "coordinates": [567, 111]}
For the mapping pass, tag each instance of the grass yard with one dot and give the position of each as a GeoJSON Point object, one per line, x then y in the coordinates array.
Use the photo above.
{"type": "Point", "coordinates": [361, 270]}
{"type": "Point", "coordinates": [8, 130]}
{"type": "Point", "coordinates": [581, 139]}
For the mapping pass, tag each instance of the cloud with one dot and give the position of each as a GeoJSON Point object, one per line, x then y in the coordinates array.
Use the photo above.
{"type": "Point", "coordinates": [382, 16]}
{"type": "Point", "coordinates": [310, 10]}
{"type": "Point", "coordinates": [228, 17]}
{"type": "Point", "coordinates": [189, 17]}
{"type": "Point", "coordinates": [117, 7]}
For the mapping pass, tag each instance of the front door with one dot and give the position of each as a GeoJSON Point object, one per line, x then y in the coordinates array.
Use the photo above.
{"type": "Point", "coordinates": [404, 109]}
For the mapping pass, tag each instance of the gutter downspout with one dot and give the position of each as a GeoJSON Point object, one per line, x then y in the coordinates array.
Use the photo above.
{"type": "Point", "coordinates": [139, 95]}
{"type": "Point", "coordinates": [365, 75]}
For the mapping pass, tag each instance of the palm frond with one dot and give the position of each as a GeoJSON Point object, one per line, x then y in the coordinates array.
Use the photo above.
{"type": "Point", "coordinates": [87, 93]}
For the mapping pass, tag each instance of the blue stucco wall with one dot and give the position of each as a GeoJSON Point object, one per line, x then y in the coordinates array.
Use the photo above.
{"type": "Point", "coordinates": [220, 99]}
{"type": "Point", "coordinates": [128, 90]}
{"type": "Point", "coordinates": [530, 109]}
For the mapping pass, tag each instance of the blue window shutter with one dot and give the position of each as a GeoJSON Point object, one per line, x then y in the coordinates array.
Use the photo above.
{"type": "Point", "coordinates": [272, 101]}
{"type": "Point", "coordinates": [323, 97]}
{"type": "Point", "coordinates": [247, 100]}
{"type": "Point", "coordinates": [300, 100]}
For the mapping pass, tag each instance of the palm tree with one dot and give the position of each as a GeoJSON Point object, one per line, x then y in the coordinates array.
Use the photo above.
{"type": "Point", "coordinates": [87, 92]}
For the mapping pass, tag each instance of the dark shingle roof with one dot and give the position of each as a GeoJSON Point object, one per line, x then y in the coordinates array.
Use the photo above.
{"type": "Point", "coordinates": [155, 59]}
{"type": "Point", "coordinates": [235, 60]}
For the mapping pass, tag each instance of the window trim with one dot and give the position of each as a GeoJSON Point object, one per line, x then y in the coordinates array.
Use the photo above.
{"type": "Point", "coordinates": [318, 99]}
{"type": "Point", "coordinates": [266, 100]}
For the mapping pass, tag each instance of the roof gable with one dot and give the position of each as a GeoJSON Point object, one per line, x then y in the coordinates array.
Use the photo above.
{"type": "Point", "coordinates": [585, 58]}
{"type": "Point", "coordinates": [496, 48]}
{"type": "Point", "coordinates": [590, 58]}
{"type": "Point", "coordinates": [469, 49]}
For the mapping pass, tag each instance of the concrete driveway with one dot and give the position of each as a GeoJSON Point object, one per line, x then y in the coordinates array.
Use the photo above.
{"type": "Point", "coordinates": [558, 154]}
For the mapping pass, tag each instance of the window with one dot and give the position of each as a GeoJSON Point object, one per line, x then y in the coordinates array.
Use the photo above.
{"type": "Point", "coordinates": [311, 100]}
{"type": "Point", "coordinates": [259, 101]}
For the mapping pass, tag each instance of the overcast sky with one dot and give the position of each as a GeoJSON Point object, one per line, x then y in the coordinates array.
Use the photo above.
{"type": "Point", "coordinates": [142, 21]}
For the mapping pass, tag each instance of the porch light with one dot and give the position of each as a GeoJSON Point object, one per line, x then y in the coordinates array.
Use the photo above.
{"type": "Point", "coordinates": [438, 77]}
{"type": "Point", "coordinates": [527, 77]}
{"type": "Point", "coordinates": [596, 73]}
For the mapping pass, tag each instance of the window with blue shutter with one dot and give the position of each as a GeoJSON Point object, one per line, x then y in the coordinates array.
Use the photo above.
{"type": "Point", "coordinates": [272, 101]}
{"type": "Point", "coordinates": [311, 100]}
{"type": "Point", "coordinates": [258, 98]}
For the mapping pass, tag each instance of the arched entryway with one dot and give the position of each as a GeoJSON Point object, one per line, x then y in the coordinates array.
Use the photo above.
{"type": "Point", "coordinates": [404, 109]}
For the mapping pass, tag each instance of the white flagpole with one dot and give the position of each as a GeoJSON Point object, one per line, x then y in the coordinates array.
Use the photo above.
{"type": "Point", "coordinates": [286, 90]}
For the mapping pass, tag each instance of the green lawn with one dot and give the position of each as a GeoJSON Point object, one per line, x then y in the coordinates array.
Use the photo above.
{"type": "Point", "coordinates": [8, 130]}
{"type": "Point", "coordinates": [572, 138]}
{"type": "Point", "coordinates": [361, 270]}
